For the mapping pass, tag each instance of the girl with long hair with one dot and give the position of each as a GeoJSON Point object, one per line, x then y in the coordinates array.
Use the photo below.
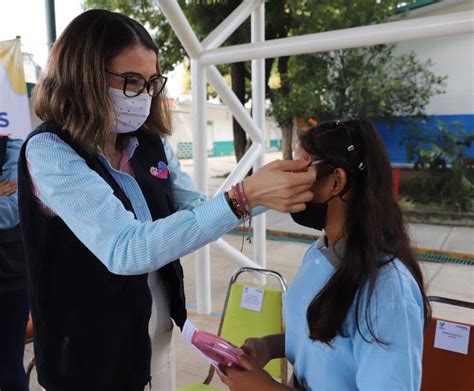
{"type": "Point", "coordinates": [356, 309]}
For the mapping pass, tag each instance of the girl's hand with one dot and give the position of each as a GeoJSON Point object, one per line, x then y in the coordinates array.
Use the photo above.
{"type": "Point", "coordinates": [7, 188]}
{"type": "Point", "coordinates": [282, 185]}
{"type": "Point", "coordinates": [258, 350]}
{"type": "Point", "coordinates": [251, 378]}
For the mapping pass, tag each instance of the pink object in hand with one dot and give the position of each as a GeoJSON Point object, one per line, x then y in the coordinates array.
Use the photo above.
{"type": "Point", "coordinates": [217, 349]}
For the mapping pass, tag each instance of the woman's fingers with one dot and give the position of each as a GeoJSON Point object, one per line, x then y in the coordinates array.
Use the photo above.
{"type": "Point", "coordinates": [7, 188]}
{"type": "Point", "coordinates": [307, 177]}
{"type": "Point", "coordinates": [307, 196]}
{"type": "Point", "coordinates": [289, 165]}
{"type": "Point", "coordinates": [295, 208]}
{"type": "Point", "coordinates": [275, 187]}
{"type": "Point", "coordinates": [7, 183]}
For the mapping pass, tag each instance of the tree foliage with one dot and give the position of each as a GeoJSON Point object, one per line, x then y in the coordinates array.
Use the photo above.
{"type": "Point", "coordinates": [204, 17]}
{"type": "Point", "coordinates": [148, 13]}
{"type": "Point", "coordinates": [372, 82]}
{"type": "Point", "coordinates": [369, 82]}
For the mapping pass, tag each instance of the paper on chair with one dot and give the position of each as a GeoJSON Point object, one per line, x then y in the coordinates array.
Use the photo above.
{"type": "Point", "coordinates": [252, 299]}
{"type": "Point", "coordinates": [452, 336]}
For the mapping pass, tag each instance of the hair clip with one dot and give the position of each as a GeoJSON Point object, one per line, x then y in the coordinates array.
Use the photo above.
{"type": "Point", "coordinates": [361, 166]}
{"type": "Point", "coordinates": [351, 148]}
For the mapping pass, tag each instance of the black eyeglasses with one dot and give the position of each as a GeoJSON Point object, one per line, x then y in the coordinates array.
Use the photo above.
{"type": "Point", "coordinates": [134, 85]}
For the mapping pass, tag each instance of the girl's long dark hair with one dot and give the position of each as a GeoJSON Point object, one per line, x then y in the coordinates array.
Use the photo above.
{"type": "Point", "coordinates": [373, 227]}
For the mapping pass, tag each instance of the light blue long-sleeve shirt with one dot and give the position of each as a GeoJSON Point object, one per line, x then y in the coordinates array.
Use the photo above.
{"type": "Point", "coordinates": [352, 363]}
{"type": "Point", "coordinates": [9, 204]}
{"type": "Point", "coordinates": [125, 245]}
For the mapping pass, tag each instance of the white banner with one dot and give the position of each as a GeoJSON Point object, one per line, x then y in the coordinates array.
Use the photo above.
{"type": "Point", "coordinates": [14, 109]}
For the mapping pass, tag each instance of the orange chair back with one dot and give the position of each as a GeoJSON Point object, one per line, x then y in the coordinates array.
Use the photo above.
{"type": "Point", "coordinates": [444, 370]}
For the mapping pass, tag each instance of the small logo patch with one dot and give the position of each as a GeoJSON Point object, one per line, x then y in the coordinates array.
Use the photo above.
{"type": "Point", "coordinates": [161, 171]}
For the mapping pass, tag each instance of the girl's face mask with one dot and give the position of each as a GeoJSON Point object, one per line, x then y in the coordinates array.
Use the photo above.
{"type": "Point", "coordinates": [315, 214]}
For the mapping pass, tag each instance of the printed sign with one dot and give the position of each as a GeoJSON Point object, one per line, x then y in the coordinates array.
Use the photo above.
{"type": "Point", "coordinates": [252, 299]}
{"type": "Point", "coordinates": [14, 108]}
{"type": "Point", "coordinates": [452, 336]}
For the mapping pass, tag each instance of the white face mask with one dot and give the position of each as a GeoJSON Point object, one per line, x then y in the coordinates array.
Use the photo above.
{"type": "Point", "coordinates": [130, 113]}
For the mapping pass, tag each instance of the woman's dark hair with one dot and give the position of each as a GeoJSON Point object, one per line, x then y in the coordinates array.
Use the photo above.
{"type": "Point", "coordinates": [373, 227]}
{"type": "Point", "coordinates": [73, 90]}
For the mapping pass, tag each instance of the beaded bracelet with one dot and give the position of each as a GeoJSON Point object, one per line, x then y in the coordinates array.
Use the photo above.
{"type": "Point", "coordinates": [242, 198]}
{"type": "Point", "coordinates": [233, 202]}
{"type": "Point", "coordinates": [237, 201]}
{"type": "Point", "coordinates": [240, 201]}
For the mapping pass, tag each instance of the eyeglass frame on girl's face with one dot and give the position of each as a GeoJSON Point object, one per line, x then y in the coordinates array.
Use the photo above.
{"type": "Point", "coordinates": [322, 161]}
{"type": "Point", "coordinates": [146, 85]}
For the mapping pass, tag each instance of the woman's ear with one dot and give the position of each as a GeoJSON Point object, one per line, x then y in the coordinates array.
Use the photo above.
{"type": "Point", "coordinates": [339, 181]}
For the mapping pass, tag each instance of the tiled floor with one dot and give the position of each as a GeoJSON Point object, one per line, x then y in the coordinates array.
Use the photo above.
{"type": "Point", "coordinates": [455, 281]}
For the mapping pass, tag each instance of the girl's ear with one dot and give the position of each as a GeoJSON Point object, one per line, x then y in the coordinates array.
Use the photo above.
{"type": "Point", "coordinates": [339, 181]}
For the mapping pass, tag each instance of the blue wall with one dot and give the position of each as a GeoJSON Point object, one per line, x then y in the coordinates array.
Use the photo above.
{"type": "Point", "coordinates": [393, 135]}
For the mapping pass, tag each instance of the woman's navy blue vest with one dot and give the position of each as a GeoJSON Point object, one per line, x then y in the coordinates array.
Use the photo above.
{"type": "Point", "coordinates": [91, 326]}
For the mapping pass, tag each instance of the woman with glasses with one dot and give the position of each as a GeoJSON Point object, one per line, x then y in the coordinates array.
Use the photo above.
{"type": "Point", "coordinates": [356, 309]}
{"type": "Point", "coordinates": [106, 211]}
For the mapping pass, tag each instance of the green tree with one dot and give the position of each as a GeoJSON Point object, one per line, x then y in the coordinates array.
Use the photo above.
{"type": "Point", "coordinates": [437, 148]}
{"type": "Point", "coordinates": [148, 13]}
{"type": "Point", "coordinates": [370, 82]}
{"type": "Point", "coordinates": [204, 17]}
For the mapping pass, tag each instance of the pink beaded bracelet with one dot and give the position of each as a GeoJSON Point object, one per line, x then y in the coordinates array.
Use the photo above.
{"type": "Point", "coordinates": [242, 198]}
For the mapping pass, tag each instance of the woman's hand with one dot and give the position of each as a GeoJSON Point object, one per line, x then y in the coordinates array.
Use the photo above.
{"type": "Point", "coordinates": [7, 188]}
{"type": "Point", "coordinates": [251, 378]}
{"type": "Point", "coordinates": [258, 350]}
{"type": "Point", "coordinates": [282, 185]}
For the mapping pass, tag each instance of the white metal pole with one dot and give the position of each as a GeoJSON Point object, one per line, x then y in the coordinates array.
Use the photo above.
{"type": "Point", "coordinates": [175, 16]}
{"type": "Point", "coordinates": [199, 121]}
{"type": "Point", "coordinates": [230, 24]}
{"type": "Point", "coordinates": [258, 114]}
{"type": "Point", "coordinates": [183, 30]}
{"type": "Point", "coordinates": [236, 255]}
{"type": "Point", "coordinates": [232, 102]}
{"type": "Point", "coordinates": [405, 30]}
{"type": "Point", "coordinates": [240, 170]}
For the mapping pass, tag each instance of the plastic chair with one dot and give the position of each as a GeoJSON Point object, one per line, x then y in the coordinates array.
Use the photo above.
{"type": "Point", "coordinates": [237, 324]}
{"type": "Point", "coordinates": [442, 369]}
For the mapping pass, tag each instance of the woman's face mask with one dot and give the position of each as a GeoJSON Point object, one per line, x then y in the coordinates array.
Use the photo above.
{"type": "Point", "coordinates": [130, 113]}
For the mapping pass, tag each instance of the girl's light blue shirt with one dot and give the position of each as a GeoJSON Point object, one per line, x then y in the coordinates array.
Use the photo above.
{"type": "Point", "coordinates": [396, 314]}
